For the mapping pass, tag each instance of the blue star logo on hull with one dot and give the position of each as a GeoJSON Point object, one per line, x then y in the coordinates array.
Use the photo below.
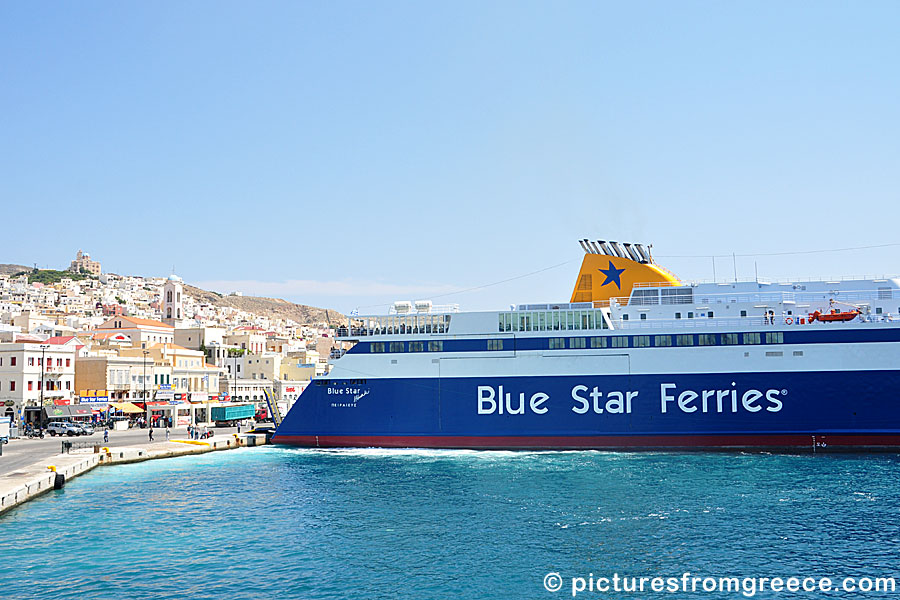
{"type": "Point", "coordinates": [612, 275]}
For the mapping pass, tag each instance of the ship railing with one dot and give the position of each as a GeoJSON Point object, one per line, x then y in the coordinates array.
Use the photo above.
{"type": "Point", "coordinates": [356, 332]}
{"type": "Point", "coordinates": [760, 297]}
{"type": "Point", "coordinates": [652, 284]}
{"type": "Point", "coordinates": [745, 322]}
{"type": "Point", "coordinates": [782, 280]}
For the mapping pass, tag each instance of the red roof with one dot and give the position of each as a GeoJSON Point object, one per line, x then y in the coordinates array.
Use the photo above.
{"type": "Point", "coordinates": [60, 339]}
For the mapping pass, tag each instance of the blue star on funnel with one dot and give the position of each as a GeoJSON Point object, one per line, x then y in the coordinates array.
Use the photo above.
{"type": "Point", "coordinates": [612, 275]}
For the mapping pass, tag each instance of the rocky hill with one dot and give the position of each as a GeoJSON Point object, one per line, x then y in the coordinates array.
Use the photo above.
{"type": "Point", "coordinates": [268, 307]}
{"type": "Point", "coordinates": [12, 269]}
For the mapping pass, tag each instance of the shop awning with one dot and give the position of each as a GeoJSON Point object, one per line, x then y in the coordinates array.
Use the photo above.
{"type": "Point", "coordinates": [126, 407]}
{"type": "Point", "coordinates": [67, 412]}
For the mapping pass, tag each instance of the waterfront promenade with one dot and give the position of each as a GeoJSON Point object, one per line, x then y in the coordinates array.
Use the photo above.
{"type": "Point", "coordinates": [21, 452]}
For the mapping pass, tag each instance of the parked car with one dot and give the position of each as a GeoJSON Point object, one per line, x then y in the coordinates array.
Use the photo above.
{"type": "Point", "coordinates": [63, 428]}
{"type": "Point", "coordinates": [86, 428]}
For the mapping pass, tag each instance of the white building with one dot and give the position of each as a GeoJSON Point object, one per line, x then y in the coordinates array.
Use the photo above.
{"type": "Point", "coordinates": [34, 374]}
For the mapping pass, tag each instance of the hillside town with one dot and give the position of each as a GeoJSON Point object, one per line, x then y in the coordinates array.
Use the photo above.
{"type": "Point", "coordinates": [97, 346]}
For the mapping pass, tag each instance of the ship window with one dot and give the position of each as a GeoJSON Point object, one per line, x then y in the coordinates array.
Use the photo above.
{"type": "Point", "coordinates": [729, 339]}
{"type": "Point", "coordinates": [417, 346]}
{"type": "Point", "coordinates": [377, 347]}
{"type": "Point", "coordinates": [576, 342]}
{"type": "Point", "coordinates": [598, 342]}
{"type": "Point", "coordinates": [570, 320]}
{"type": "Point", "coordinates": [556, 321]}
{"type": "Point", "coordinates": [542, 322]}
{"type": "Point", "coordinates": [396, 346]}
{"type": "Point", "coordinates": [642, 341]}
{"type": "Point", "coordinates": [877, 310]}
{"type": "Point", "coordinates": [643, 316]}
{"type": "Point", "coordinates": [743, 313]}
{"type": "Point", "coordinates": [495, 344]}
{"type": "Point", "coordinates": [557, 343]}
{"type": "Point", "coordinates": [436, 346]}
{"type": "Point", "coordinates": [690, 315]}
{"type": "Point", "coordinates": [620, 342]}
{"type": "Point", "coordinates": [662, 340]}
{"type": "Point", "coordinates": [684, 340]}
{"type": "Point", "coordinates": [677, 295]}
{"type": "Point", "coordinates": [751, 338]}
{"type": "Point", "coordinates": [644, 297]}
{"type": "Point", "coordinates": [677, 315]}
{"type": "Point", "coordinates": [625, 316]}
{"type": "Point", "coordinates": [706, 339]}
{"type": "Point", "coordinates": [501, 319]}
{"type": "Point", "coordinates": [710, 315]}
{"type": "Point", "coordinates": [775, 337]}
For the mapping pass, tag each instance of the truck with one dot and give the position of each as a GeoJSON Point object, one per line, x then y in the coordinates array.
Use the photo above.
{"type": "Point", "coordinates": [5, 424]}
{"type": "Point", "coordinates": [227, 415]}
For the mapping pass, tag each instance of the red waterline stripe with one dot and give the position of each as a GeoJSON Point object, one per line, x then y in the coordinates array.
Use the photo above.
{"type": "Point", "coordinates": [598, 442]}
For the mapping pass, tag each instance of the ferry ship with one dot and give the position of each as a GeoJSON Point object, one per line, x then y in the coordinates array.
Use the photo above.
{"type": "Point", "coordinates": [636, 359]}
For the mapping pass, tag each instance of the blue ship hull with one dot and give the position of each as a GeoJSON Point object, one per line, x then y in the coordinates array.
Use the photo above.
{"type": "Point", "coordinates": [803, 410]}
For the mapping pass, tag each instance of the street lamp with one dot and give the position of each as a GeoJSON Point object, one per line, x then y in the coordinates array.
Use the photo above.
{"type": "Point", "coordinates": [234, 377]}
{"type": "Point", "coordinates": [44, 348]}
{"type": "Point", "coordinates": [144, 393]}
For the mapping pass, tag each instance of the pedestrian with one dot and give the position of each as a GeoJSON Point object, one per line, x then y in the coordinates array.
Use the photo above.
{"type": "Point", "coordinates": [151, 434]}
{"type": "Point", "coordinates": [167, 434]}
{"type": "Point", "coordinates": [106, 436]}
{"type": "Point", "coordinates": [190, 434]}
{"type": "Point", "coordinates": [239, 426]}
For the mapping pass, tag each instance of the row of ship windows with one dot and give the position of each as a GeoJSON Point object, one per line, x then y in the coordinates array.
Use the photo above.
{"type": "Point", "coordinates": [552, 320]}
{"type": "Point", "coordinates": [617, 341]}
{"type": "Point", "coordinates": [663, 341]}
{"type": "Point", "coordinates": [379, 347]}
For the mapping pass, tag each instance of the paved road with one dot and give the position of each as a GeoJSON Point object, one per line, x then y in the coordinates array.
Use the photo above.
{"type": "Point", "coordinates": [22, 452]}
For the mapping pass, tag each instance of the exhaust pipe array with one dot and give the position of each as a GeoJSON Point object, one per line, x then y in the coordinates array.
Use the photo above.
{"type": "Point", "coordinates": [635, 252]}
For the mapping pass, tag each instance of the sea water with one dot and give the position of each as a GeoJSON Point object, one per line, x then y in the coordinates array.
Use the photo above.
{"type": "Point", "coordinates": [290, 523]}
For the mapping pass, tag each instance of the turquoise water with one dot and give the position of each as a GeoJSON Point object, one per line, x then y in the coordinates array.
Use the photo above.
{"type": "Point", "coordinates": [288, 523]}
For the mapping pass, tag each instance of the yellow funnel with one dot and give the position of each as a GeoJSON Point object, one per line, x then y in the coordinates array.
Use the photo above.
{"type": "Point", "coordinates": [603, 277]}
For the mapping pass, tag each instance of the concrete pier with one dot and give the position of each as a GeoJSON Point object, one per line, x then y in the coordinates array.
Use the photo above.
{"type": "Point", "coordinates": [33, 480]}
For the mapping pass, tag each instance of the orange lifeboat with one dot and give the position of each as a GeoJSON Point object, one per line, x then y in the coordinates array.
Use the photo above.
{"type": "Point", "coordinates": [834, 316]}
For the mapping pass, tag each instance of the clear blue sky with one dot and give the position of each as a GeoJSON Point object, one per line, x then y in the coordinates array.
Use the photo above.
{"type": "Point", "coordinates": [343, 154]}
